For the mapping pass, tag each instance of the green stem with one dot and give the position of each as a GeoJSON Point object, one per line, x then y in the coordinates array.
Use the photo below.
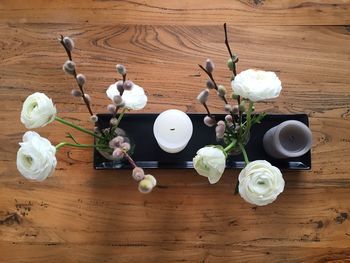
{"type": "Point", "coordinates": [120, 117]}
{"type": "Point", "coordinates": [249, 117]}
{"type": "Point", "coordinates": [77, 127]}
{"type": "Point", "coordinates": [61, 144]}
{"type": "Point", "coordinates": [230, 146]}
{"type": "Point", "coordinates": [244, 153]}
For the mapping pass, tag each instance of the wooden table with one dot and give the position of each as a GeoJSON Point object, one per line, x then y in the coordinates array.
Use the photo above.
{"type": "Point", "coordinates": [83, 215]}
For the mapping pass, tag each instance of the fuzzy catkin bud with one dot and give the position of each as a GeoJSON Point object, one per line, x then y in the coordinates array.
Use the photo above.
{"type": "Point", "coordinates": [125, 146]}
{"type": "Point", "coordinates": [235, 109]}
{"type": "Point", "coordinates": [113, 121]}
{"type": "Point", "coordinates": [228, 108]}
{"type": "Point", "coordinates": [87, 97]}
{"type": "Point", "coordinates": [117, 99]}
{"type": "Point", "coordinates": [230, 64]}
{"type": "Point", "coordinates": [81, 79]}
{"type": "Point", "coordinates": [120, 86]}
{"type": "Point", "coordinates": [235, 96]}
{"type": "Point", "coordinates": [242, 106]}
{"type": "Point", "coordinates": [68, 43]}
{"type": "Point", "coordinates": [128, 85]}
{"type": "Point", "coordinates": [152, 179]}
{"type": "Point", "coordinates": [69, 67]}
{"type": "Point", "coordinates": [210, 84]}
{"type": "Point", "coordinates": [116, 142]}
{"type": "Point", "coordinates": [209, 121]}
{"type": "Point", "coordinates": [203, 96]}
{"type": "Point", "coordinates": [228, 118]}
{"type": "Point", "coordinates": [76, 93]}
{"type": "Point", "coordinates": [221, 123]}
{"type": "Point", "coordinates": [209, 65]}
{"type": "Point", "coordinates": [220, 131]}
{"type": "Point", "coordinates": [111, 108]}
{"type": "Point", "coordinates": [93, 118]}
{"type": "Point", "coordinates": [145, 186]}
{"type": "Point", "coordinates": [121, 69]}
{"type": "Point", "coordinates": [221, 91]}
{"type": "Point", "coordinates": [138, 174]}
{"type": "Point", "coordinates": [118, 153]}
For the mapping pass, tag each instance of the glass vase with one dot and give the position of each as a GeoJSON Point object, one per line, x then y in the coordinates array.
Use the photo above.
{"type": "Point", "coordinates": [107, 152]}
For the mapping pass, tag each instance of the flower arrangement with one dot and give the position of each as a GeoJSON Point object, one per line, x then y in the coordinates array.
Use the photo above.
{"type": "Point", "coordinates": [36, 157]}
{"type": "Point", "coordinates": [259, 182]}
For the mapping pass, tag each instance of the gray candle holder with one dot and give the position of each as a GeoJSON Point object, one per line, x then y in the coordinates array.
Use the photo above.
{"type": "Point", "coordinates": [287, 140]}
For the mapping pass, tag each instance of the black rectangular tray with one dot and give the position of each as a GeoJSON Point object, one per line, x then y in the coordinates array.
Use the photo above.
{"type": "Point", "coordinates": [148, 154]}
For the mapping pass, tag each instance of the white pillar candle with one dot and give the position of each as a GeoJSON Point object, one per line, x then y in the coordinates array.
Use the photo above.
{"type": "Point", "coordinates": [172, 130]}
{"type": "Point", "coordinates": [289, 139]}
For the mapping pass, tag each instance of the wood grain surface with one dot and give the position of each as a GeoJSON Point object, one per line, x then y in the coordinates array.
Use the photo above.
{"type": "Point", "coordinates": [83, 215]}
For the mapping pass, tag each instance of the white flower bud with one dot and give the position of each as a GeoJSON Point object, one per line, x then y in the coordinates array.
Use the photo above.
{"type": "Point", "coordinates": [93, 118]}
{"type": "Point", "coordinates": [221, 91]}
{"type": "Point", "coordinates": [69, 43]}
{"type": "Point", "coordinates": [138, 174]}
{"type": "Point", "coordinates": [81, 79]}
{"type": "Point", "coordinates": [209, 121]}
{"type": "Point", "coordinates": [121, 69]}
{"type": "Point", "coordinates": [203, 96]}
{"type": "Point", "coordinates": [209, 65]}
{"type": "Point", "coordinates": [69, 67]}
{"type": "Point", "coordinates": [111, 108]}
{"type": "Point", "coordinates": [128, 85]}
{"type": "Point", "coordinates": [118, 153]}
{"type": "Point", "coordinates": [76, 93]}
{"type": "Point", "coordinates": [210, 84]}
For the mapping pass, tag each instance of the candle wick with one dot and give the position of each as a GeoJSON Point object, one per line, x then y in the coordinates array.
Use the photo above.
{"type": "Point", "coordinates": [172, 129]}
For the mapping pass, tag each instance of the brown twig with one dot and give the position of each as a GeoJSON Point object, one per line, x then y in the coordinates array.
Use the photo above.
{"type": "Point", "coordinates": [234, 69]}
{"type": "Point", "coordinates": [130, 160]}
{"type": "Point", "coordinates": [207, 109]}
{"type": "Point", "coordinates": [69, 54]}
{"type": "Point", "coordinates": [213, 80]}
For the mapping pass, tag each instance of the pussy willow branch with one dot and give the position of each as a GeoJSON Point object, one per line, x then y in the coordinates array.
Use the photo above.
{"type": "Point", "coordinates": [215, 87]}
{"type": "Point", "coordinates": [69, 54]}
{"type": "Point", "coordinates": [130, 160]}
{"type": "Point", "coordinates": [117, 109]}
{"type": "Point", "coordinates": [234, 70]}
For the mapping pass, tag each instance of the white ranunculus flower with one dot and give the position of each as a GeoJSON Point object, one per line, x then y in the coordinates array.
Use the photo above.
{"type": "Point", "coordinates": [210, 162]}
{"type": "Point", "coordinates": [37, 111]}
{"type": "Point", "coordinates": [135, 98]}
{"type": "Point", "coordinates": [36, 158]}
{"type": "Point", "coordinates": [257, 85]}
{"type": "Point", "coordinates": [260, 183]}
